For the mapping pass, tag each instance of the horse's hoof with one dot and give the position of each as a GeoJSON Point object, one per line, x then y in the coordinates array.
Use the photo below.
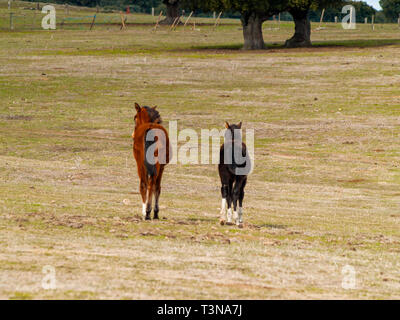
{"type": "Point", "coordinates": [147, 218]}
{"type": "Point", "coordinates": [229, 223]}
{"type": "Point", "coordinates": [156, 218]}
{"type": "Point", "coordinates": [221, 222]}
{"type": "Point", "coordinates": [240, 225]}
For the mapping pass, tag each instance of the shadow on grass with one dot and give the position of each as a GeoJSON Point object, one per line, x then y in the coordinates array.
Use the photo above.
{"type": "Point", "coordinates": [358, 43]}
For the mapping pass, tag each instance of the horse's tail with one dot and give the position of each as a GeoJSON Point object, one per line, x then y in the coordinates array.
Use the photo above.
{"type": "Point", "coordinates": [151, 168]}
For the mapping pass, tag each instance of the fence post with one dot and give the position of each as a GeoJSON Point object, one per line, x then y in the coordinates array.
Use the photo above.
{"type": "Point", "coordinates": [9, 4]}
{"type": "Point", "coordinates": [279, 20]}
{"type": "Point", "coordinates": [94, 19]}
{"type": "Point", "coordinates": [373, 21]}
{"type": "Point", "coordinates": [122, 21]}
{"type": "Point", "coordinates": [322, 18]}
{"type": "Point", "coordinates": [152, 12]}
{"type": "Point", "coordinates": [187, 20]}
{"type": "Point", "coordinates": [158, 21]}
{"type": "Point", "coordinates": [11, 21]}
{"type": "Point", "coordinates": [336, 19]}
{"type": "Point", "coordinates": [366, 20]}
{"type": "Point", "coordinates": [217, 21]}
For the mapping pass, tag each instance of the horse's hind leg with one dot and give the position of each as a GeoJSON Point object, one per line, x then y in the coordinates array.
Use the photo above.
{"type": "Point", "coordinates": [235, 198]}
{"type": "Point", "coordinates": [150, 190]}
{"type": "Point", "coordinates": [241, 196]}
{"type": "Point", "coordinates": [238, 195]}
{"type": "Point", "coordinates": [143, 193]}
{"type": "Point", "coordinates": [157, 193]}
{"type": "Point", "coordinates": [224, 194]}
{"type": "Point", "coordinates": [229, 201]}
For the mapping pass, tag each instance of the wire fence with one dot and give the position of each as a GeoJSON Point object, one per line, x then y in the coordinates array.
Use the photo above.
{"type": "Point", "coordinates": [18, 21]}
{"type": "Point", "coordinates": [32, 20]}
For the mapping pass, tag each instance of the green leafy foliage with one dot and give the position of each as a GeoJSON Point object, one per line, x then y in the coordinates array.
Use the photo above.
{"type": "Point", "coordinates": [260, 7]}
{"type": "Point", "coordinates": [306, 5]}
{"type": "Point", "coordinates": [138, 5]}
{"type": "Point", "coordinates": [391, 9]}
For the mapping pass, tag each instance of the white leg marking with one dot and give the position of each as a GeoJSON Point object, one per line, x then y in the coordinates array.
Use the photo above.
{"type": "Point", "coordinates": [223, 207]}
{"type": "Point", "coordinates": [235, 216]}
{"type": "Point", "coordinates": [144, 210]}
{"type": "Point", "coordinates": [229, 220]}
{"type": "Point", "coordinates": [240, 216]}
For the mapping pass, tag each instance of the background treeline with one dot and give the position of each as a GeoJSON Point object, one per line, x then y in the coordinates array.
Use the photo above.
{"type": "Point", "coordinates": [143, 6]}
{"type": "Point", "coordinates": [390, 12]}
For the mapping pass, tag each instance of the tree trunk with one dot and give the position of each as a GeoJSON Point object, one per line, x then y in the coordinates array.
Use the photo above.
{"type": "Point", "coordinates": [302, 33]}
{"type": "Point", "coordinates": [172, 11]}
{"type": "Point", "coordinates": [252, 31]}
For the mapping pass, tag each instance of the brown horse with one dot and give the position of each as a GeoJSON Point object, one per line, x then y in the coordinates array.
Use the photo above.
{"type": "Point", "coordinates": [151, 150]}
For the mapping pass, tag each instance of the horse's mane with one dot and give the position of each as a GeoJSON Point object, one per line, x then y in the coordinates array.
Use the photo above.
{"type": "Point", "coordinates": [153, 114]}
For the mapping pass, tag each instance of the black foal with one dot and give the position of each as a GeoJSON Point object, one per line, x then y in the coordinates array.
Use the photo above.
{"type": "Point", "coordinates": [234, 166]}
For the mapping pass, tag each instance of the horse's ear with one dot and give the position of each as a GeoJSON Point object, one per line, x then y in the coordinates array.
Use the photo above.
{"type": "Point", "coordinates": [240, 125]}
{"type": "Point", "coordinates": [154, 108]}
{"type": "Point", "coordinates": [226, 124]}
{"type": "Point", "coordinates": [137, 107]}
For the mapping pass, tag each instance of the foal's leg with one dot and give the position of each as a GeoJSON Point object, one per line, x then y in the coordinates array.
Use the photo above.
{"type": "Point", "coordinates": [235, 198]}
{"type": "Point", "coordinates": [229, 200]}
{"type": "Point", "coordinates": [224, 194]}
{"type": "Point", "coordinates": [157, 192]}
{"type": "Point", "coordinates": [143, 192]}
{"type": "Point", "coordinates": [150, 189]}
{"type": "Point", "coordinates": [239, 221]}
{"type": "Point", "coordinates": [238, 194]}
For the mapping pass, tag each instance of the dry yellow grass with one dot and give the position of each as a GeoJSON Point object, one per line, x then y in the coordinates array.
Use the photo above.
{"type": "Point", "coordinates": [324, 192]}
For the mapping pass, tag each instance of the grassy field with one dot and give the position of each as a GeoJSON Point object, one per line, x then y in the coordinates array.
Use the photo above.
{"type": "Point", "coordinates": [324, 192]}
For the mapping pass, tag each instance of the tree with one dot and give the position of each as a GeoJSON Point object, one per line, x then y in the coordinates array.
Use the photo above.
{"type": "Point", "coordinates": [391, 9]}
{"type": "Point", "coordinates": [302, 27]}
{"type": "Point", "coordinates": [252, 18]}
{"type": "Point", "coordinates": [299, 10]}
{"type": "Point", "coordinates": [253, 13]}
{"type": "Point", "coordinates": [172, 11]}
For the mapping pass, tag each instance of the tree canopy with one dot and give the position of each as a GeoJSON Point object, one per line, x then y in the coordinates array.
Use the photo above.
{"type": "Point", "coordinates": [391, 9]}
